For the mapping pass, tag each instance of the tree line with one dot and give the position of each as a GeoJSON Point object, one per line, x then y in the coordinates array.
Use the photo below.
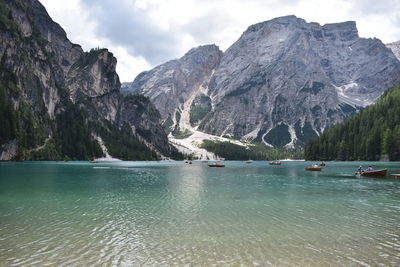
{"type": "Point", "coordinates": [372, 134]}
{"type": "Point", "coordinates": [231, 151]}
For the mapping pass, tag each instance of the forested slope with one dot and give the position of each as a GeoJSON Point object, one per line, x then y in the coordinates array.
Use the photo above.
{"type": "Point", "coordinates": [57, 101]}
{"type": "Point", "coordinates": [372, 134]}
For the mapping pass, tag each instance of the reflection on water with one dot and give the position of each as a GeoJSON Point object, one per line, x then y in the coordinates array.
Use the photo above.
{"type": "Point", "coordinates": [186, 188]}
{"type": "Point", "coordinates": [138, 213]}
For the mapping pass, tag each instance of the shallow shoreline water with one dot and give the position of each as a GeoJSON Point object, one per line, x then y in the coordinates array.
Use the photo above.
{"type": "Point", "coordinates": [172, 213]}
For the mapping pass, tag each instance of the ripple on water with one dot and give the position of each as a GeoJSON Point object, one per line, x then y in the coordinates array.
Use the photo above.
{"type": "Point", "coordinates": [175, 214]}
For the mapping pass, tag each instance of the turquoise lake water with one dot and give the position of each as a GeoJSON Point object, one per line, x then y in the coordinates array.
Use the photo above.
{"type": "Point", "coordinates": [163, 214]}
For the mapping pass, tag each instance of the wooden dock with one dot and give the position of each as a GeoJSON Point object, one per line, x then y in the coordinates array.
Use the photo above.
{"type": "Point", "coordinates": [395, 175]}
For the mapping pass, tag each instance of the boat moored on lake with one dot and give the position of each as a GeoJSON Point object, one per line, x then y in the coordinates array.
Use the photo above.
{"type": "Point", "coordinates": [216, 164]}
{"type": "Point", "coordinates": [377, 173]}
{"type": "Point", "coordinates": [275, 163]}
{"type": "Point", "coordinates": [313, 168]}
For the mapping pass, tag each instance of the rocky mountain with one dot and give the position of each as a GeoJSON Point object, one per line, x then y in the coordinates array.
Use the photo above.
{"type": "Point", "coordinates": [395, 47]}
{"type": "Point", "coordinates": [173, 86]}
{"type": "Point", "coordinates": [58, 101]}
{"type": "Point", "coordinates": [283, 82]}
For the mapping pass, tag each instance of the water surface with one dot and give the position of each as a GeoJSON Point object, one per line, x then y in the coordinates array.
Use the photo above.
{"type": "Point", "coordinates": [161, 213]}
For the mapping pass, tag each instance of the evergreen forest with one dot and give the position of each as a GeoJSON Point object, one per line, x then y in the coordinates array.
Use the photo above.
{"type": "Point", "coordinates": [231, 151]}
{"type": "Point", "coordinates": [373, 134]}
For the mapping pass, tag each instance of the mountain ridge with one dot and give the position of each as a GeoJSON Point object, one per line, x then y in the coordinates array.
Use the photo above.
{"type": "Point", "coordinates": [282, 78]}
{"type": "Point", "coordinates": [395, 47]}
{"type": "Point", "coordinates": [59, 101]}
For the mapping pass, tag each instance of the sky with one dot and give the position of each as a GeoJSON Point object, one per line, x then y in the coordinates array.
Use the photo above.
{"type": "Point", "coordinates": [145, 33]}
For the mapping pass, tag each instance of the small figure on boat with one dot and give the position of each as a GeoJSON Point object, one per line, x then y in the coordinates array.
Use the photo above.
{"type": "Point", "coordinates": [315, 165]}
{"type": "Point", "coordinates": [360, 169]}
{"type": "Point", "coordinates": [371, 172]}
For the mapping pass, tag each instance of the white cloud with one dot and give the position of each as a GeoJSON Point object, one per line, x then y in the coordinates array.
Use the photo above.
{"type": "Point", "coordinates": [73, 18]}
{"type": "Point", "coordinates": [145, 33]}
{"type": "Point", "coordinates": [129, 66]}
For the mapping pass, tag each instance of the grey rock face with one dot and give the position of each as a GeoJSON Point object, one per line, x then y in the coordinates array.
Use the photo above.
{"type": "Point", "coordinates": [145, 121]}
{"type": "Point", "coordinates": [8, 151]}
{"type": "Point", "coordinates": [301, 75]}
{"type": "Point", "coordinates": [395, 47]}
{"type": "Point", "coordinates": [93, 74]}
{"type": "Point", "coordinates": [284, 81]}
{"type": "Point", "coordinates": [43, 72]}
{"type": "Point", "coordinates": [171, 84]}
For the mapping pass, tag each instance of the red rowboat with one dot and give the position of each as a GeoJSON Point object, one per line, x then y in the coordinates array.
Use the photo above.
{"type": "Point", "coordinates": [216, 165]}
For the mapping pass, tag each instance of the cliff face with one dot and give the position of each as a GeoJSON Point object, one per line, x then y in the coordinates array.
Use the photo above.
{"type": "Point", "coordinates": [293, 79]}
{"type": "Point", "coordinates": [283, 82]}
{"type": "Point", "coordinates": [57, 100]}
{"type": "Point", "coordinates": [173, 85]}
{"type": "Point", "coordinates": [395, 47]}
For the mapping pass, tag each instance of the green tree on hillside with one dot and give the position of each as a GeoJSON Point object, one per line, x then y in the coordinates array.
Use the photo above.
{"type": "Point", "coordinates": [368, 135]}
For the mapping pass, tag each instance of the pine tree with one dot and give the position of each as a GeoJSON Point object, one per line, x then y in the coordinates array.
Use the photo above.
{"type": "Point", "coordinates": [368, 135]}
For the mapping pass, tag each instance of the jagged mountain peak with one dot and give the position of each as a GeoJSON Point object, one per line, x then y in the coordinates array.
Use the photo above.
{"type": "Point", "coordinates": [292, 22]}
{"type": "Point", "coordinates": [67, 101]}
{"type": "Point", "coordinates": [293, 79]}
{"type": "Point", "coordinates": [284, 21]}
{"type": "Point", "coordinates": [44, 22]}
{"type": "Point", "coordinates": [282, 82]}
{"type": "Point", "coordinates": [395, 47]}
{"type": "Point", "coordinates": [201, 55]}
{"type": "Point", "coordinates": [279, 29]}
{"type": "Point", "coordinates": [93, 75]}
{"type": "Point", "coordinates": [345, 25]}
{"type": "Point", "coordinates": [210, 48]}
{"type": "Point", "coordinates": [171, 84]}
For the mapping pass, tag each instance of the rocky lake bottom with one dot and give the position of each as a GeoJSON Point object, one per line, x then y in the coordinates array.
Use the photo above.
{"type": "Point", "coordinates": [172, 213]}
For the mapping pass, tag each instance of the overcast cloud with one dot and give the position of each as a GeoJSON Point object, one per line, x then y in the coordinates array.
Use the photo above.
{"type": "Point", "coordinates": [145, 33]}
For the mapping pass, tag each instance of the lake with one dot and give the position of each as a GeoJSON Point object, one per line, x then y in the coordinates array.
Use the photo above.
{"type": "Point", "coordinates": [172, 213]}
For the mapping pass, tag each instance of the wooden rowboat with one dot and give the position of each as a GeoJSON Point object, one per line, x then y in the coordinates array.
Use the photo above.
{"type": "Point", "coordinates": [216, 165]}
{"type": "Point", "coordinates": [313, 168]}
{"type": "Point", "coordinates": [382, 172]}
